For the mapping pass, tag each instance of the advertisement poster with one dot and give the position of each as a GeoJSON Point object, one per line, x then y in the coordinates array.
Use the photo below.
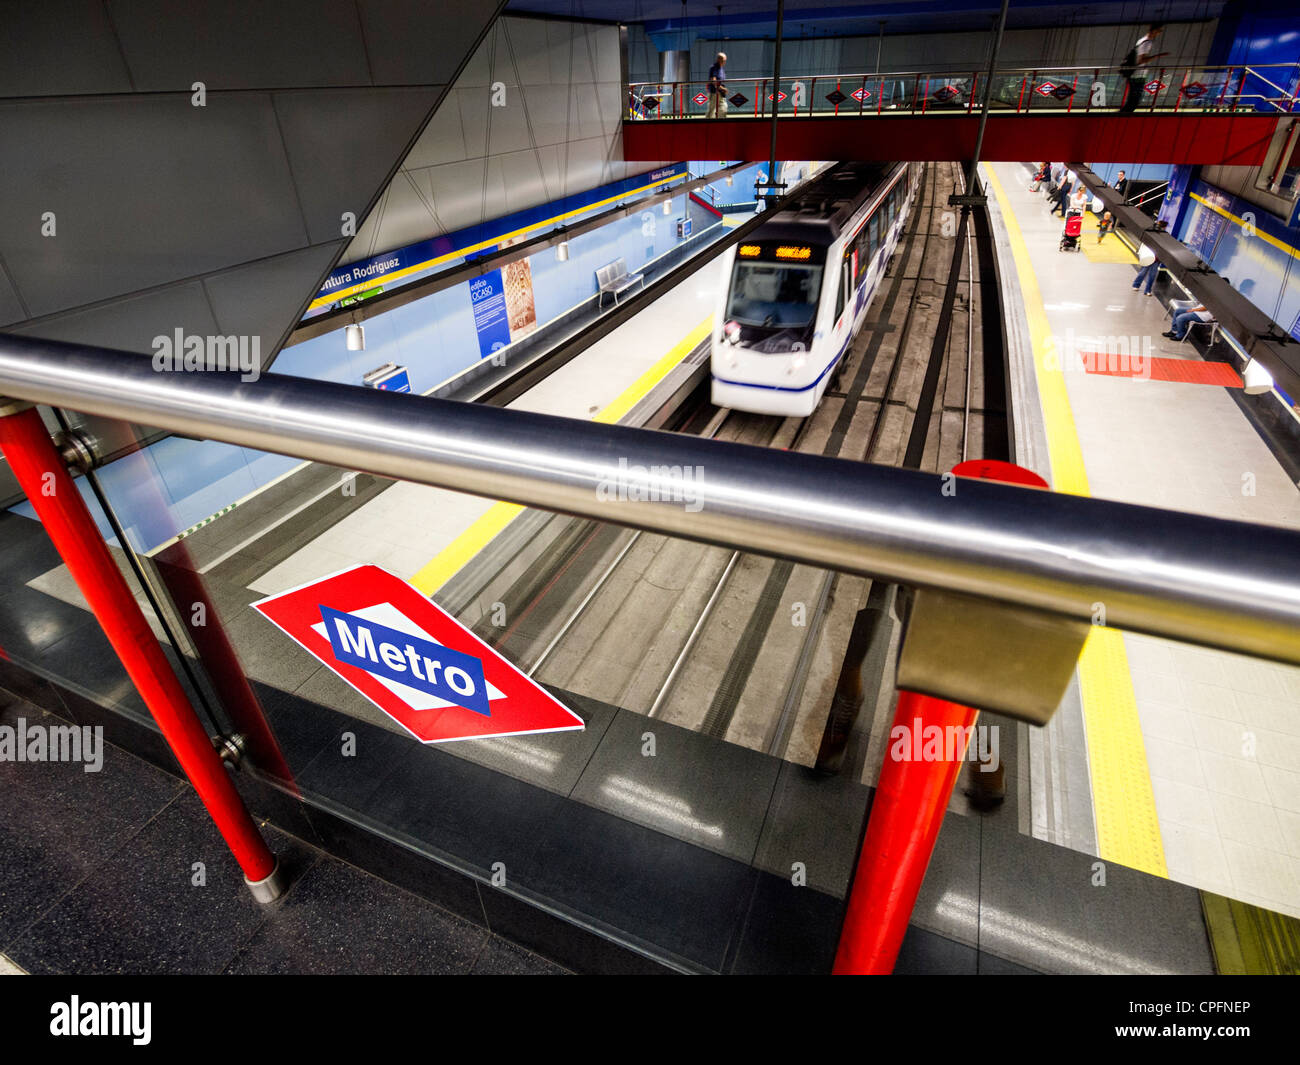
{"type": "Point", "coordinates": [520, 308]}
{"type": "Point", "coordinates": [504, 309]}
{"type": "Point", "coordinates": [488, 297]}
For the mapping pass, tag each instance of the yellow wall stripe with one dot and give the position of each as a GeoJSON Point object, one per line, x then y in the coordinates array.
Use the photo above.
{"type": "Point", "coordinates": [1267, 238]}
{"type": "Point", "coordinates": [1128, 830]}
{"type": "Point", "coordinates": [459, 253]}
{"type": "Point", "coordinates": [451, 559]}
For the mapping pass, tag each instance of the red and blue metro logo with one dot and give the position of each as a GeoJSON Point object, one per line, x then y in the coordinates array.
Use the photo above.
{"type": "Point", "coordinates": [413, 660]}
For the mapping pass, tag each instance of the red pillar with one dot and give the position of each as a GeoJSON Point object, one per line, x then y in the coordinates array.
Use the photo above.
{"type": "Point", "coordinates": [909, 805]}
{"type": "Point", "coordinates": [49, 488]}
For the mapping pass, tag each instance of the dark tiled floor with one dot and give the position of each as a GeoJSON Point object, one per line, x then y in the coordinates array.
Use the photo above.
{"type": "Point", "coordinates": [121, 871]}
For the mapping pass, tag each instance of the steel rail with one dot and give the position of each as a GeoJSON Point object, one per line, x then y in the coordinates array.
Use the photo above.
{"type": "Point", "coordinates": [1225, 584]}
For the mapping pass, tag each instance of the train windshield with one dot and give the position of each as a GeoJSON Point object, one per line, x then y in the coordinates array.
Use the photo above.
{"type": "Point", "coordinates": [774, 295]}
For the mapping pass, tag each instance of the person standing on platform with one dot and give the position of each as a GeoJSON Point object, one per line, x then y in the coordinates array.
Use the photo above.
{"type": "Point", "coordinates": [1063, 189]}
{"type": "Point", "coordinates": [1148, 264]}
{"type": "Point", "coordinates": [1121, 186]}
{"type": "Point", "coordinates": [1134, 65]}
{"type": "Point", "coordinates": [718, 87]}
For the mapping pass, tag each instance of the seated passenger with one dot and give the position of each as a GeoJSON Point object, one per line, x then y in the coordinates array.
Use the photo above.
{"type": "Point", "coordinates": [1183, 321]}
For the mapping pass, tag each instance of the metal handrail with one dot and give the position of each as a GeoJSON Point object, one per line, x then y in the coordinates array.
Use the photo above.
{"type": "Point", "coordinates": [683, 100]}
{"type": "Point", "coordinates": [886, 75]}
{"type": "Point", "coordinates": [1220, 583]}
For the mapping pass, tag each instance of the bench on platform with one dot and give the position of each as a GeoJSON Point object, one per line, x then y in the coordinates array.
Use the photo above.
{"type": "Point", "coordinates": [614, 278]}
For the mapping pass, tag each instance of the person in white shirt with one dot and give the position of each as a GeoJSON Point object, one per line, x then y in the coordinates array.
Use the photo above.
{"type": "Point", "coordinates": [1148, 264]}
{"type": "Point", "coordinates": [1134, 67]}
{"type": "Point", "coordinates": [1183, 321]}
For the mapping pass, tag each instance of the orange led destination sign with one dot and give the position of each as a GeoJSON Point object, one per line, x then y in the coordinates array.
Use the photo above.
{"type": "Point", "coordinates": [789, 251]}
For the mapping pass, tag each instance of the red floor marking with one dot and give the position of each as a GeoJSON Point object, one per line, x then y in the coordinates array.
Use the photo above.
{"type": "Point", "coordinates": [1157, 368]}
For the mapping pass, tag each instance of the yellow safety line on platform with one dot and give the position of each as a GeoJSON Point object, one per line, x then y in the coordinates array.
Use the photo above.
{"type": "Point", "coordinates": [450, 560]}
{"type": "Point", "coordinates": [1128, 830]}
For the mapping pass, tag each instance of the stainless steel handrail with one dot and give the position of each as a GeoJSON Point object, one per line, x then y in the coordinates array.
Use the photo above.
{"type": "Point", "coordinates": [1220, 583]}
{"type": "Point", "coordinates": [959, 73]}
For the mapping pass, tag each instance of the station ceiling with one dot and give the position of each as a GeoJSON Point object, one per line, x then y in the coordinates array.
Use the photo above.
{"type": "Point", "coordinates": [741, 19]}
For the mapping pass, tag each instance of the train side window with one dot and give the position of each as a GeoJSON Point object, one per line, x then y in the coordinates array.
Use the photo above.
{"type": "Point", "coordinates": [874, 229]}
{"type": "Point", "coordinates": [844, 284]}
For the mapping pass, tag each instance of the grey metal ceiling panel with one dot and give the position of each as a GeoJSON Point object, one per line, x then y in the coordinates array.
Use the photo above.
{"type": "Point", "coordinates": [524, 54]}
{"type": "Point", "coordinates": [415, 42]}
{"type": "Point", "coordinates": [87, 59]}
{"type": "Point", "coordinates": [11, 308]}
{"type": "Point", "coordinates": [259, 299]}
{"type": "Point", "coordinates": [145, 191]}
{"type": "Point", "coordinates": [474, 106]}
{"type": "Point", "coordinates": [443, 139]}
{"type": "Point", "coordinates": [241, 44]}
{"type": "Point", "coordinates": [610, 106]}
{"type": "Point", "coordinates": [342, 146]}
{"type": "Point", "coordinates": [548, 110]}
{"type": "Point", "coordinates": [584, 114]}
{"type": "Point", "coordinates": [131, 323]}
{"type": "Point", "coordinates": [521, 179]}
{"type": "Point", "coordinates": [508, 126]}
{"type": "Point", "coordinates": [405, 216]}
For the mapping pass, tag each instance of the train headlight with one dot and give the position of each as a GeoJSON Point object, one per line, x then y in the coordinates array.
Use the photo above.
{"type": "Point", "coordinates": [797, 363]}
{"type": "Point", "coordinates": [732, 332]}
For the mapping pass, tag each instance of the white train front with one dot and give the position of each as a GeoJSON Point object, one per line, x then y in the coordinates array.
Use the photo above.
{"type": "Point", "coordinates": [799, 286]}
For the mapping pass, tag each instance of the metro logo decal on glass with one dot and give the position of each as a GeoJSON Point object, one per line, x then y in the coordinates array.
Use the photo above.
{"type": "Point", "coordinates": [779, 96]}
{"type": "Point", "coordinates": [1195, 89]}
{"type": "Point", "coordinates": [449, 675]}
{"type": "Point", "coordinates": [1153, 87]}
{"type": "Point", "coordinates": [1046, 89]}
{"type": "Point", "coordinates": [946, 92]}
{"type": "Point", "coordinates": [412, 660]}
{"type": "Point", "coordinates": [739, 100]}
{"type": "Point", "coordinates": [861, 95]}
{"type": "Point", "coordinates": [836, 97]}
{"type": "Point", "coordinates": [700, 98]}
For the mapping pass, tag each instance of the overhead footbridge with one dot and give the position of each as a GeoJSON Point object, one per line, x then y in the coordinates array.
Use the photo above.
{"type": "Point", "coordinates": [1185, 114]}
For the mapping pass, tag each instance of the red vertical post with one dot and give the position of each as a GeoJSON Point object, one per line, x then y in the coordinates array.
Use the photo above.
{"type": "Point", "coordinates": [1021, 96]}
{"type": "Point", "coordinates": [1069, 106]}
{"type": "Point", "coordinates": [974, 85]}
{"type": "Point", "coordinates": [41, 474]}
{"type": "Point", "coordinates": [1181, 86]}
{"type": "Point", "coordinates": [912, 795]}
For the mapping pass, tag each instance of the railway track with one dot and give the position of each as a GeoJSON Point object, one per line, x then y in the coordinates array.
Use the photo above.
{"type": "Point", "coordinates": [764, 653]}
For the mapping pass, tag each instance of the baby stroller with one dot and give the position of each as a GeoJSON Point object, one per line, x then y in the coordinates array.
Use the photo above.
{"type": "Point", "coordinates": [1073, 228]}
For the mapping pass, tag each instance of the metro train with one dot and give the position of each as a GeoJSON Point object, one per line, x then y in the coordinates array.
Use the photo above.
{"type": "Point", "coordinates": [799, 286]}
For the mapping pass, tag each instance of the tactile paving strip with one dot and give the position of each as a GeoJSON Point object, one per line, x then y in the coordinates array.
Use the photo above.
{"type": "Point", "coordinates": [1162, 368]}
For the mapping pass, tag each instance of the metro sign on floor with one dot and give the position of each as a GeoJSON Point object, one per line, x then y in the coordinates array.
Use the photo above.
{"type": "Point", "coordinates": [413, 660]}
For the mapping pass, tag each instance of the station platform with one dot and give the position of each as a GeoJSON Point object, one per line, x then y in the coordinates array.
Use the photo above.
{"type": "Point", "coordinates": [1187, 759]}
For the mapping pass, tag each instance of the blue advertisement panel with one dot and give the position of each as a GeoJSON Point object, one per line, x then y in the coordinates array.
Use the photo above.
{"type": "Point", "coordinates": [487, 294]}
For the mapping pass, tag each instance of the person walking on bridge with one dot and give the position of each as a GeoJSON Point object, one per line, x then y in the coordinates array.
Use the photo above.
{"type": "Point", "coordinates": [1134, 67]}
{"type": "Point", "coordinates": [718, 87]}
